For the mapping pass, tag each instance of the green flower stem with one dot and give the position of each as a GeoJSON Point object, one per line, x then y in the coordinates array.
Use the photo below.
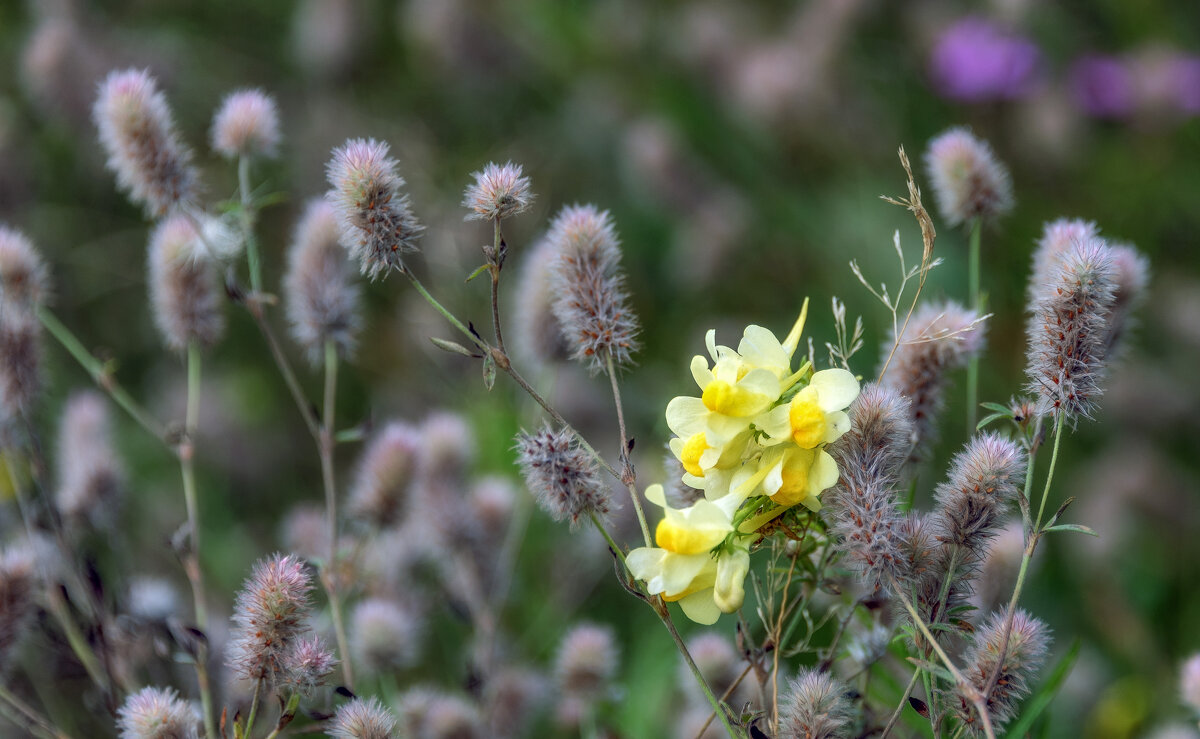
{"type": "Point", "coordinates": [100, 374]}
{"type": "Point", "coordinates": [252, 260]}
{"type": "Point", "coordinates": [660, 609]}
{"type": "Point", "coordinates": [966, 687]}
{"type": "Point", "coordinates": [253, 708]}
{"type": "Point", "coordinates": [494, 267]}
{"type": "Point", "coordinates": [891, 724]}
{"type": "Point", "coordinates": [627, 474]}
{"type": "Point", "coordinates": [327, 476]}
{"type": "Point", "coordinates": [37, 724]}
{"type": "Point", "coordinates": [192, 565]}
{"type": "Point", "coordinates": [977, 306]}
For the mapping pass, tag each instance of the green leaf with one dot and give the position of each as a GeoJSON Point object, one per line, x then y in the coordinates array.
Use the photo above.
{"type": "Point", "coordinates": [489, 372]}
{"type": "Point", "coordinates": [453, 347]}
{"type": "Point", "coordinates": [271, 198]}
{"type": "Point", "coordinates": [478, 271]}
{"type": "Point", "coordinates": [1001, 410]}
{"type": "Point", "coordinates": [1071, 527]}
{"type": "Point", "coordinates": [933, 669]}
{"type": "Point", "coordinates": [1041, 699]}
{"type": "Point", "coordinates": [988, 419]}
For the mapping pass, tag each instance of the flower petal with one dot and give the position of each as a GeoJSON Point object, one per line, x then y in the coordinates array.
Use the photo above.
{"type": "Point", "coordinates": [836, 389]}
{"type": "Point", "coordinates": [836, 424]}
{"type": "Point", "coordinates": [823, 474]}
{"type": "Point", "coordinates": [701, 608]}
{"type": "Point", "coordinates": [760, 348]}
{"type": "Point", "coordinates": [700, 371]}
{"type": "Point", "coordinates": [686, 416]}
{"type": "Point", "coordinates": [776, 424]}
{"type": "Point", "coordinates": [729, 590]}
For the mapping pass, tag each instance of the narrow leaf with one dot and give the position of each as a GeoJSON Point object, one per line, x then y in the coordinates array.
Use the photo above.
{"type": "Point", "coordinates": [1072, 527]}
{"type": "Point", "coordinates": [478, 271]}
{"type": "Point", "coordinates": [1039, 700]}
{"type": "Point", "coordinates": [983, 422]}
{"type": "Point", "coordinates": [452, 346]}
{"type": "Point", "coordinates": [489, 372]}
{"type": "Point", "coordinates": [1059, 512]}
{"type": "Point", "coordinates": [1002, 410]}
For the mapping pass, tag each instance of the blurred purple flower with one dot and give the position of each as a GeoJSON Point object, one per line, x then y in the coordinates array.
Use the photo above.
{"type": "Point", "coordinates": [1185, 76]}
{"type": "Point", "coordinates": [1103, 86]}
{"type": "Point", "coordinates": [976, 60]}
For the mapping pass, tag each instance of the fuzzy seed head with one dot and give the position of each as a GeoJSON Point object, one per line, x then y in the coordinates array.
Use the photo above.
{"type": "Point", "coordinates": [246, 125]}
{"type": "Point", "coordinates": [1058, 238]}
{"type": "Point", "coordinates": [17, 583]}
{"type": "Point", "coordinates": [156, 713]}
{"type": "Point", "coordinates": [269, 618]}
{"type": "Point", "coordinates": [20, 365]}
{"type": "Point", "coordinates": [447, 447]}
{"type": "Point", "coordinates": [377, 226]}
{"type": "Point", "coordinates": [90, 475]}
{"type": "Point", "coordinates": [145, 151]}
{"type": "Point", "coordinates": [1131, 276]}
{"type": "Point", "coordinates": [538, 336]}
{"type": "Point", "coordinates": [1068, 332]}
{"type": "Point", "coordinates": [1027, 645]}
{"type": "Point", "coordinates": [968, 180]}
{"type": "Point", "coordinates": [363, 719]}
{"type": "Point", "coordinates": [984, 479]}
{"type": "Point", "coordinates": [590, 301]}
{"type": "Point", "coordinates": [499, 192]}
{"type": "Point", "coordinates": [23, 275]}
{"type": "Point", "coordinates": [307, 665]}
{"type": "Point", "coordinates": [1189, 683]}
{"type": "Point", "coordinates": [184, 289]}
{"type": "Point", "coordinates": [385, 635]}
{"type": "Point", "coordinates": [513, 698]}
{"type": "Point", "coordinates": [816, 708]}
{"type": "Point", "coordinates": [939, 338]}
{"type": "Point", "coordinates": [587, 661]}
{"type": "Point", "coordinates": [322, 298]}
{"type": "Point", "coordinates": [864, 505]}
{"type": "Point", "coordinates": [384, 472]}
{"type": "Point", "coordinates": [561, 476]}
{"type": "Point", "coordinates": [450, 717]}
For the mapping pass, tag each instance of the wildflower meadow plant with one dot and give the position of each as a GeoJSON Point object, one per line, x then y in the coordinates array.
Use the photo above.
{"type": "Point", "coordinates": [786, 516]}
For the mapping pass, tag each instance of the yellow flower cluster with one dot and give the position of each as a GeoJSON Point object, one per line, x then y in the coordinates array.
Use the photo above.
{"type": "Point", "coordinates": [754, 440]}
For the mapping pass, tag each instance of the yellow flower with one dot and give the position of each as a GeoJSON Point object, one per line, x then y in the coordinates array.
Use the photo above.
{"type": "Point", "coordinates": [683, 567]}
{"type": "Point", "coordinates": [815, 415]}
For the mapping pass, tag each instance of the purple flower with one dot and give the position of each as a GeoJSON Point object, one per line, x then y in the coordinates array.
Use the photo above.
{"type": "Point", "coordinates": [1103, 86]}
{"type": "Point", "coordinates": [1185, 79]}
{"type": "Point", "coordinates": [975, 60]}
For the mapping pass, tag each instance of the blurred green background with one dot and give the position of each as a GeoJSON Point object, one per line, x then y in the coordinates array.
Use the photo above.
{"type": "Point", "coordinates": [741, 148]}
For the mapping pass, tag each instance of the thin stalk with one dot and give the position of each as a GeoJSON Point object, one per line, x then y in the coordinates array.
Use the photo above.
{"type": "Point", "coordinates": [968, 689]}
{"type": "Point", "coordinates": [192, 566]}
{"type": "Point", "coordinates": [977, 306]}
{"type": "Point", "coordinates": [328, 427]}
{"type": "Point", "coordinates": [494, 268]}
{"type": "Point", "coordinates": [778, 646]}
{"type": "Point", "coordinates": [100, 374]}
{"type": "Point", "coordinates": [248, 225]}
{"type": "Point", "coordinates": [627, 474]}
{"type": "Point", "coordinates": [253, 708]}
{"type": "Point", "coordinates": [724, 697]}
{"type": "Point", "coordinates": [891, 724]}
{"type": "Point", "coordinates": [285, 369]}
{"type": "Point", "coordinates": [36, 720]}
{"type": "Point", "coordinates": [660, 609]}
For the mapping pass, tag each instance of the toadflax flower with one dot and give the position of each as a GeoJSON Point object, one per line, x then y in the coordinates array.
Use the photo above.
{"type": "Point", "coordinates": [683, 567]}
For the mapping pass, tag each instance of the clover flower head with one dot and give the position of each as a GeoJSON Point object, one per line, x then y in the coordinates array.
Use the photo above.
{"type": "Point", "coordinates": [24, 277]}
{"type": "Point", "coordinates": [816, 708]}
{"type": "Point", "coordinates": [156, 713]}
{"type": "Point", "coordinates": [562, 477]}
{"type": "Point", "coordinates": [968, 180]}
{"type": "Point", "coordinates": [587, 661]}
{"type": "Point", "coordinates": [184, 289]}
{"type": "Point", "coordinates": [246, 125]}
{"type": "Point", "coordinates": [363, 718]}
{"type": "Point", "coordinates": [270, 616]}
{"type": "Point", "coordinates": [499, 192]}
{"type": "Point", "coordinates": [322, 299]}
{"type": "Point", "coordinates": [90, 475]}
{"type": "Point", "coordinates": [1017, 665]}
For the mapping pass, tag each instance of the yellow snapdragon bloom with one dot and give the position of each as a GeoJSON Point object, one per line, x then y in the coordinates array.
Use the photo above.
{"type": "Point", "coordinates": [816, 415]}
{"type": "Point", "coordinates": [683, 567]}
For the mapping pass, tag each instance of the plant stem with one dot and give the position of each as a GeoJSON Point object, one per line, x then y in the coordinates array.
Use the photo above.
{"type": "Point", "coordinates": [285, 369]}
{"type": "Point", "coordinates": [977, 306]}
{"type": "Point", "coordinates": [494, 267]}
{"type": "Point", "coordinates": [253, 708]}
{"type": "Point", "coordinates": [891, 724]}
{"type": "Point", "coordinates": [248, 225]}
{"type": "Point", "coordinates": [192, 565]}
{"type": "Point", "coordinates": [100, 373]}
{"type": "Point", "coordinates": [328, 578]}
{"type": "Point", "coordinates": [36, 720]}
{"type": "Point", "coordinates": [627, 474]}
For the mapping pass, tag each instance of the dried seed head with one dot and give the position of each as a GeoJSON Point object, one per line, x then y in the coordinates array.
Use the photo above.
{"type": "Point", "coordinates": [144, 150]}
{"type": "Point", "coordinates": [1058, 237]}
{"type": "Point", "coordinates": [320, 292]}
{"type": "Point", "coordinates": [561, 476]}
{"type": "Point", "coordinates": [590, 301]}
{"type": "Point", "coordinates": [17, 582]}
{"type": "Point", "coordinates": [306, 665]}
{"type": "Point", "coordinates": [184, 289]}
{"type": "Point", "coordinates": [384, 472]}
{"type": "Point", "coordinates": [156, 713]}
{"type": "Point", "coordinates": [23, 275]}
{"type": "Point", "coordinates": [269, 617]}
{"type": "Point", "coordinates": [377, 225]}
{"type": "Point", "coordinates": [20, 365]}
{"type": "Point", "coordinates": [816, 708]}
{"type": "Point", "coordinates": [90, 478]}
{"type": "Point", "coordinates": [246, 125]}
{"type": "Point", "coordinates": [499, 192]}
{"type": "Point", "coordinates": [538, 336]}
{"type": "Point", "coordinates": [1131, 275]}
{"type": "Point", "coordinates": [587, 661]}
{"type": "Point", "coordinates": [385, 635]}
{"type": "Point", "coordinates": [1189, 682]}
{"type": "Point", "coordinates": [984, 479]}
{"type": "Point", "coordinates": [1068, 332]}
{"type": "Point", "coordinates": [864, 505]}
{"type": "Point", "coordinates": [939, 338]}
{"type": "Point", "coordinates": [968, 180]}
{"type": "Point", "coordinates": [363, 719]}
{"type": "Point", "coordinates": [1027, 645]}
